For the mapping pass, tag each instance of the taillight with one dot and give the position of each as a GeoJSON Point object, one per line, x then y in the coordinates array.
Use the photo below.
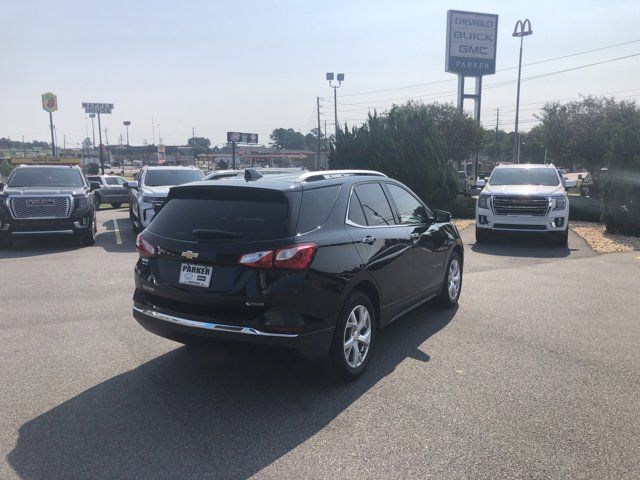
{"type": "Point", "coordinates": [258, 259]}
{"type": "Point", "coordinates": [294, 257]}
{"type": "Point", "coordinates": [145, 247]}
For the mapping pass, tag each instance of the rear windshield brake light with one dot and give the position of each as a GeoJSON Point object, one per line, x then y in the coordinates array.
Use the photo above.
{"type": "Point", "coordinates": [293, 257]}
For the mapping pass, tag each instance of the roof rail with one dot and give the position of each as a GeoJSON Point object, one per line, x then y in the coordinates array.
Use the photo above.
{"type": "Point", "coordinates": [326, 174]}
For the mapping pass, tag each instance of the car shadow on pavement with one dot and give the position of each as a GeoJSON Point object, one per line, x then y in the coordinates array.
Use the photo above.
{"type": "Point", "coordinates": [204, 414]}
{"type": "Point", "coordinates": [522, 245]}
{"type": "Point", "coordinates": [33, 247]}
{"type": "Point", "coordinates": [124, 241]}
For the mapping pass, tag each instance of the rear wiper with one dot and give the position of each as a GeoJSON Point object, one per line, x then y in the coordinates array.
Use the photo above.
{"type": "Point", "coordinates": [206, 233]}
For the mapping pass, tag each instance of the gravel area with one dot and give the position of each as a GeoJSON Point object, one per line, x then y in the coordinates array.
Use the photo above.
{"type": "Point", "coordinates": [462, 223]}
{"type": "Point", "coordinates": [602, 242]}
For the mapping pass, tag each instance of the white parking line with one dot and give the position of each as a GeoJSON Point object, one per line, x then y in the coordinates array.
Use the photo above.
{"type": "Point", "coordinates": [117, 232]}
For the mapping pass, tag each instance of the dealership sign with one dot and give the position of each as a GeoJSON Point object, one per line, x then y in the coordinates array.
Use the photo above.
{"type": "Point", "coordinates": [471, 43]}
{"type": "Point", "coordinates": [97, 107]}
{"type": "Point", "coordinates": [239, 137]}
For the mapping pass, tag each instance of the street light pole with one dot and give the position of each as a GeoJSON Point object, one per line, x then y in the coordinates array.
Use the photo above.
{"type": "Point", "coordinates": [522, 29]}
{"type": "Point", "coordinates": [126, 124]}
{"type": "Point", "coordinates": [340, 79]}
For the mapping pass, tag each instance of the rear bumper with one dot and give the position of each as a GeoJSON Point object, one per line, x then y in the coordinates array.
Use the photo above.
{"type": "Point", "coordinates": [179, 327]}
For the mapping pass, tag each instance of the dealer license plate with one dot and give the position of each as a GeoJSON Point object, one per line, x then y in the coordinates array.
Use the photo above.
{"type": "Point", "coordinates": [196, 275]}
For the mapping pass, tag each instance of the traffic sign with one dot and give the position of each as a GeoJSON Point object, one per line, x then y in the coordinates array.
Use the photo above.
{"type": "Point", "coordinates": [49, 102]}
{"type": "Point", "coordinates": [97, 107]}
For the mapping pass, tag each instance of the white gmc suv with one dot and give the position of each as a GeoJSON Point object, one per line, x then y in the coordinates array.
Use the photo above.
{"type": "Point", "coordinates": [524, 198]}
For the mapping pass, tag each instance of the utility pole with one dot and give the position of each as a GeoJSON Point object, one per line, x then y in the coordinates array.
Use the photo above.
{"type": "Point", "coordinates": [24, 149]}
{"type": "Point", "coordinates": [153, 129]}
{"type": "Point", "coordinates": [193, 145]}
{"type": "Point", "coordinates": [100, 140]}
{"type": "Point", "coordinates": [64, 141]}
{"type": "Point", "coordinates": [319, 131]}
{"type": "Point", "coordinates": [106, 136]}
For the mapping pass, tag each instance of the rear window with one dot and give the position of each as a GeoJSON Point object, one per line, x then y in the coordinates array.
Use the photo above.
{"type": "Point", "coordinates": [224, 216]}
{"type": "Point", "coordinates": [316, 207]}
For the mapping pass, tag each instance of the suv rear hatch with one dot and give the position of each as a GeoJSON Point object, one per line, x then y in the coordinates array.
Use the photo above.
{"type": "Point", "coordinates": [193, 247]}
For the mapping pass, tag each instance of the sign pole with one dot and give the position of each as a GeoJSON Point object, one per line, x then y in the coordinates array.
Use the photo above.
{"type": "Point", "coordinates": [233, 155]}
{"type": "Point", "coordinates": [53, 143]}
{"type": "Point", "coordinates": [100, 140]}
{"type": "Point", "coordinates": [476, 111]}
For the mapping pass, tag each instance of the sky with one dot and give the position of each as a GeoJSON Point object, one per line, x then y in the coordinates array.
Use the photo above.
{"type": "Point", "coordinates": [252, 66]}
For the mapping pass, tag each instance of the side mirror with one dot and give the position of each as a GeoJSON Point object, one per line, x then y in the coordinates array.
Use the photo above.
{"type": "Point", "coordinates": [440, 216]}
{"type": "Point", "coordinates": [1, 186]}
{"type": "Point", "coordinates": [94, 186]}
{"type": "Point", "coordinates": [569, 183]}
{"type": "Point", "coordinates": [133, 185]}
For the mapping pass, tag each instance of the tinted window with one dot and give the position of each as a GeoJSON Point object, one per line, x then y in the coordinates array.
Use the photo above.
{"type": "Point", "coordinates": [525, 176]}
{"type": "Point", "coordinates": [375, 205]}
{"type": "Point", "coordinates": [410, 209]}
{"type": "Point", "coordinates": [112, 181]}
{"type": "Point", "coordinates": [316, 207]}
{"type": "Point", "coordinates": [121, 181]}
{"type": "Point", "coordinates": [356, 215]}
{"type": "Point", "coordinates": [158, 178]}
{"type": "Point", "coordinates": [46, 177]}
{"type": "Point", "coordinates": [224, 216]}
{"type": "Point", "coordinates": [94, 179]}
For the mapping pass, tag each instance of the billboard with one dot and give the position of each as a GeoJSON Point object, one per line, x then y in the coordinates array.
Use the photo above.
{"type": "Point", "coordinates": [97, 107]}
{"type": "Point", "coordinates": [239, 137]}
{"type": "Point", "coordinates": [471, 43]}
{"type": "Point", "coordinates": [49, 102]}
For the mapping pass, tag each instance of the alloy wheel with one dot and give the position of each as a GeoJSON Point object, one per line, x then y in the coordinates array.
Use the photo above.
{"type": "Point", "coordinates": [453, 279]}
{"type": "Point", "coordinates": [357, 336]}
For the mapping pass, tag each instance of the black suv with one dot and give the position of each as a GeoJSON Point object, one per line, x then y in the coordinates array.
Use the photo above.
{"type": "Point", "coordinates": [47, 200]}
{"type": "Point", "coordinates": [318, 262]}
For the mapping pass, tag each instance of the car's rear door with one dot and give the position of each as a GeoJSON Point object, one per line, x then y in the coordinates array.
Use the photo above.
{"type": "Point", "coordinates": [384, 246]}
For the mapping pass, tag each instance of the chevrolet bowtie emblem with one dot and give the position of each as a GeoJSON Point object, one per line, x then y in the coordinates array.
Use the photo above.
{"type": "Point", "coordinates": [189, 255]}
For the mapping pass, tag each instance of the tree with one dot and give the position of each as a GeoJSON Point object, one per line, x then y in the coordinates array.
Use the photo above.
{"type": "Point", "coordinates": [404, 143]}
{"type": "Point", "coordinates": [287, 139]}
{"type": "Point", "coordinates": [199, 145]}
{"type": "Point", "coordinates": [462, 134]}
{"type": "Point", "coordinates": [5, 168]}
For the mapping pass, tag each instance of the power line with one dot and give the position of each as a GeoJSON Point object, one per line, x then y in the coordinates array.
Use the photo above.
{"type": "Point", "coordinates": [417, 85]}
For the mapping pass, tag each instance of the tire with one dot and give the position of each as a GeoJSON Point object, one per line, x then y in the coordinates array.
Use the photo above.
{"type": "Point", "coordinates": [97, 202]}
{"type": "Point", "coordinates": [87, 237]}
{"type": "Point", "coordinates": [134, 225]}
{"type": "Point", "coordinates": [116, 205]}
{"type": "Point", "coordinates": [451, 283]}
{"type": "Point", "coordinates": [482, 236]}
{"type": "Point", "coordinates": [342, 364]}
{"type": "Point", "coordinates": [562, 238]}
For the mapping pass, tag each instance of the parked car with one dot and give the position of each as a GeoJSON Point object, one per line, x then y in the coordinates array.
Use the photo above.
{"type": "Point", "coordinates": [149, 191]}
{"type": "Point", "coordinates": [463, 183]}
{"type": "Point", "coordinates": [317, 262]}
{"type": "Point", "coordinates": [112, 190]}
{"type": "Point", "coordinates": [47, 201]}
{"type": "Point", "coordinates": [524, 198]}
{"type": "Point", "coordinates": [136, 163]}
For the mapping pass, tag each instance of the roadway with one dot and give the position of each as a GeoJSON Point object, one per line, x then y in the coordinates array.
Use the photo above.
{"type": "Point", "coordinates": [534, 375]}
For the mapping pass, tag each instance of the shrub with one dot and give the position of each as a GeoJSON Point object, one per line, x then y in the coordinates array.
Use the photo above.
{"type": "Point", "coordinates": [92, 169]}
{"type": "Point", "coordinates": [584, 209]}
{"type": "Point", "coordinates": [621, 202]}
{"type": "Point", "coordinates": [463, 207]}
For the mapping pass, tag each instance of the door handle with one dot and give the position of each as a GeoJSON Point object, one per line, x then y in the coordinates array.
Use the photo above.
{"type": "Point", "coordinates": [369, 239]}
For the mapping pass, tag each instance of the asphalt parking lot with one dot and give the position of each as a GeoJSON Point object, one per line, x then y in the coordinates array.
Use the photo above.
{"type": "Point", "coordinates": [534, 375]}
